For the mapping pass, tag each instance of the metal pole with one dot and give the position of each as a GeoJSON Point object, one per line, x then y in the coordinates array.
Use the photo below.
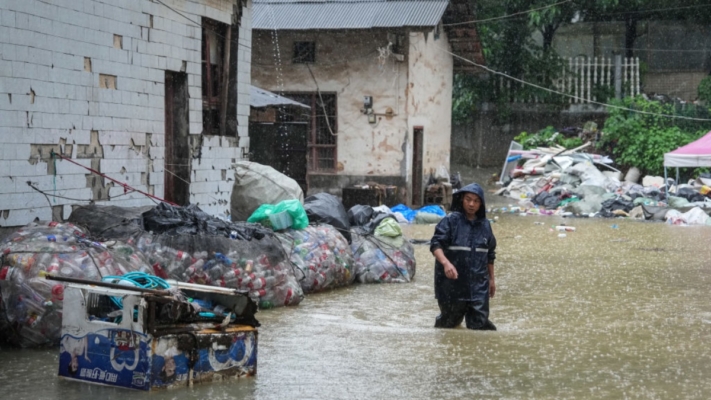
{"type": "Point", "coordinates": [666, 186]}
{"type": "Point", "coordinates": [618, 76]}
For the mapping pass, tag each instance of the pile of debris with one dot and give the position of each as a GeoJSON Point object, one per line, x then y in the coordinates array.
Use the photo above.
{"type": "Point", "coordinates": [295, 246]}
{"type": "Point", "coordinates": [558, 181]}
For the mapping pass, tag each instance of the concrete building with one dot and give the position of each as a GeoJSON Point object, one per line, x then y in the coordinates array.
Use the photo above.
{"type": "Point", "coordinates": [130, 88]}
{"type": "Point", "coordinates": [377, 76]}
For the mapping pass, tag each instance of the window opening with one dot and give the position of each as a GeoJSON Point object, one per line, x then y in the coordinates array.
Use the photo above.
{"type": "Point", "coordinates": [304, 52]}
{"type": "Point", "coordinates": [213, 59]}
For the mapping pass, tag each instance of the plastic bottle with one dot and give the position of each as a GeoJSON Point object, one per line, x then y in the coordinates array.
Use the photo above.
{"type": "Point", "coordinates": [193, 269]}
{"type": "Point", "coordinates": [231, 278]}
{"type": "Point", "coordinates": [216, 272]}
{"type": "Point", "coordinates": [565, 228]}
{"type": "Point", "coordinates": [319, 280]}
{"type": "Point", "coordinates": [68, 268]}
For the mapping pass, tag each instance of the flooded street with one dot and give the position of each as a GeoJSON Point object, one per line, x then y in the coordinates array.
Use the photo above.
{"type": "Point", "coordinates": [605, 312]}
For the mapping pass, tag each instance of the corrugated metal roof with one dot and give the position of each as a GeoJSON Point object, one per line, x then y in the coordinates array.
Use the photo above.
{"type": "Point", "coordinates": [346, 14]}
{"type": "Point", "coordinates": [262, 98]}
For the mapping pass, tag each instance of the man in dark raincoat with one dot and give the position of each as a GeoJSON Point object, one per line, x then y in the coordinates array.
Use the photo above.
{"type": "Point", "coordinates": [465, 248]}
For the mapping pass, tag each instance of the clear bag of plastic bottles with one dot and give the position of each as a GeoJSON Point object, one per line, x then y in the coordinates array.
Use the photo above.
{"type": "Point", "coordinates": [257, 266]}
{"type": "Point", "coordinates": [33, 304]}
{"type": "Point", "coordinates": [322, 256]}
{"type": "Point", "coordinates": [379, 260]}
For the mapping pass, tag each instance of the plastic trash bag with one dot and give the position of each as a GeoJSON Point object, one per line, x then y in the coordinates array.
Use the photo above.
{"type": "Point", "coordinates": [109, 222]}
{"type": "Point", "coordinates": [427, 218]}
{"type": "Point", "coordinates": [406, 212]}
{"type": "Point", "coordinates": [292, 207]}
{"type": "Point", "coordinates": [326, 208]}
{"type": "Point", "coordinates": [257, 184]}
{"type": "Point", "coordinates": [360, 215]}
{"type": "Point", "coordinates": [677, 202]}
{"type": "Point", "coordinates": [437, 210]}
{"type": "Point", "coordinates": [389, 227]}
{"type": "Point", "coordinates": [191, 220]}
{"type": "Point", "coordinates": [696, 216]}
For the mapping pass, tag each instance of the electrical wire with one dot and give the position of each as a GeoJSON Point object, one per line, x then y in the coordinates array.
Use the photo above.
{"type": "Point", "coordinates": [566, 94]}
{"type": "Point", "coordinates": [172, 173]}
{"type": "Point", "coordinates": [656, 9]}
{"type": "Point", "coordinates": [197, 24]}
{"type": "Point", "coordinates": [654, 50]}
{"type": "Point", "coordinates": [508, 15]}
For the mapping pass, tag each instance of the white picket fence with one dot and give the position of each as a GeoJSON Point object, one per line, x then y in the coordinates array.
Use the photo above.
{"type": "Point", "coordinates": [581, 80]}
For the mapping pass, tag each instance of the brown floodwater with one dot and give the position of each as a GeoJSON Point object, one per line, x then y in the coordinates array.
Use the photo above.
{"type": "Point", "coordinates": [605, 312]}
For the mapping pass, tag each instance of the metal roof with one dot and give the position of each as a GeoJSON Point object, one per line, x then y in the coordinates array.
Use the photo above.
{"type": "Point", "coordinates": [346, 14]}
{"type": "Point", "coordinates": [262, 98]}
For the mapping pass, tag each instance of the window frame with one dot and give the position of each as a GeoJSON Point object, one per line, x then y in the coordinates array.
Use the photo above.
{"type": "Point", "coordinates": [300, 56]}
{"type": "Point", "coordinates": [315, 142]}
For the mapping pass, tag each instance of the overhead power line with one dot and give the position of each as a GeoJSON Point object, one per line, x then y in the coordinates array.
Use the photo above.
{"type": "Point", "coordinates": [566, 94]}
{"type": "Point", "coordinates": [508, 15]}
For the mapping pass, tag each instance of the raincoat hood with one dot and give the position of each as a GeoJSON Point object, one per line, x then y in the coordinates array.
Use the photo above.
{"type": "Point", "coordinates": [471, 188]}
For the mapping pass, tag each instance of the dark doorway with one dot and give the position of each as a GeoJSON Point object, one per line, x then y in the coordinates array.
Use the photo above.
{"type": "Point", "coordinates": [417, 135]}
{"type": "Point", "coordinates": [177, 153]}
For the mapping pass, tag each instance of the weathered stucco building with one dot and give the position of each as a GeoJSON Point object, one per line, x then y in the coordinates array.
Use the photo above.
{"type": "Point", "coordinates": [152, 93]}
{"type": "Point", "coordinates": [377, 76]}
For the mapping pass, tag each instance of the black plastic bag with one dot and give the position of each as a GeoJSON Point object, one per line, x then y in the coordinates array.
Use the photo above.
{"type": "Point", "coordinates": [191, 220]}
{"type": "Point", "coordinates": [109, 222]}
{"type": "Point", "coordinates": [549, 201]}
{"type": "Point", "coordinates": [616, 204]}
{"type": "Point", "coordinates": [326, 208]}
{"type": "Point", "coordinates": [360, 214]}
{"type": "Point", "coordinates": [690, 194]}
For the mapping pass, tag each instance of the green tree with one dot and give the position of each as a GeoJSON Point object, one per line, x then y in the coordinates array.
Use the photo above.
{"type": "Point", "coordinates": [547, 20]}
{"type": "Point", "coordinates": [632, 12]}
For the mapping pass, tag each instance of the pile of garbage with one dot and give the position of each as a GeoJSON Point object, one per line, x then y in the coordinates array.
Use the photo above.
{"type": "Point", "coordinates": [322, 256]}
{"type": "Point", "coordinates": [294, 249]}
{"type": "Point", "coordinates": [32, 305]}
{"type": "Point", "coordinates": [556, 181]}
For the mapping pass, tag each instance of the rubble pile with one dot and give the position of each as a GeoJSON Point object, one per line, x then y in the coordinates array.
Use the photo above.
{"type": "Point", "coordinates": [556, 181]}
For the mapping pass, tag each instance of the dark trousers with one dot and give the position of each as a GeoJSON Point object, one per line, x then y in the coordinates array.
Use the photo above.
{"type": "Point", "coordinates": [474, 313]}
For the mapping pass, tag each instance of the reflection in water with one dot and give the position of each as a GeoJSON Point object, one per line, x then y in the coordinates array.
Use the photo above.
{"type": "Point", "coordinates": [603, 312]}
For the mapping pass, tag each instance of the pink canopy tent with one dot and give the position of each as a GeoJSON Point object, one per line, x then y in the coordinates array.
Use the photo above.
{"type": "Point", "coordinates": [694, 154]}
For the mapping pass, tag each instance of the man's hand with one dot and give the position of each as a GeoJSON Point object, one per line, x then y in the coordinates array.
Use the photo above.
{"type": "Point", "coordinates": [492, 288]}
{"type": "Point", "coordinates": [450, 271]}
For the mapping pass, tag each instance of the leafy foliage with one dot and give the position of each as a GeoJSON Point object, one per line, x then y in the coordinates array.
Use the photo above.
{"type": "Point", "coordinates": [508, 47]}
{"type": "Point", "coordinates": [546, 137]}
{"type": "Point", "coordinates": [705, 90]}
{"type": "Point", "coordinates": [640, 140]}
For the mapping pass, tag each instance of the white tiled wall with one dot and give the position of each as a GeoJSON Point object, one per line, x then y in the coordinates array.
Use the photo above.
{"type": "Point", "coordinates": [47, 98]}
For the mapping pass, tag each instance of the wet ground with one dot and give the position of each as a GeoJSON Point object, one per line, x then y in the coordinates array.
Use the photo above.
{"type": "Point", "coordinates": [605, 312]}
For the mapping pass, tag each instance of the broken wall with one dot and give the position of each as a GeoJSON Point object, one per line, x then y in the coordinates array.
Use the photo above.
{"type": "Point", "coordinates": [85, 79]}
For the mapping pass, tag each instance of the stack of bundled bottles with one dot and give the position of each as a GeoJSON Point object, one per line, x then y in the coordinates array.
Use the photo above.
{"type": "Point", "coordinates": [257, 267]}
{"type": "Point", "coordinates": [32, 304]}
{"type": "Point", "coordinates": [383, 262]}
{"type": "Point", "coordinates": [322, 255]}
